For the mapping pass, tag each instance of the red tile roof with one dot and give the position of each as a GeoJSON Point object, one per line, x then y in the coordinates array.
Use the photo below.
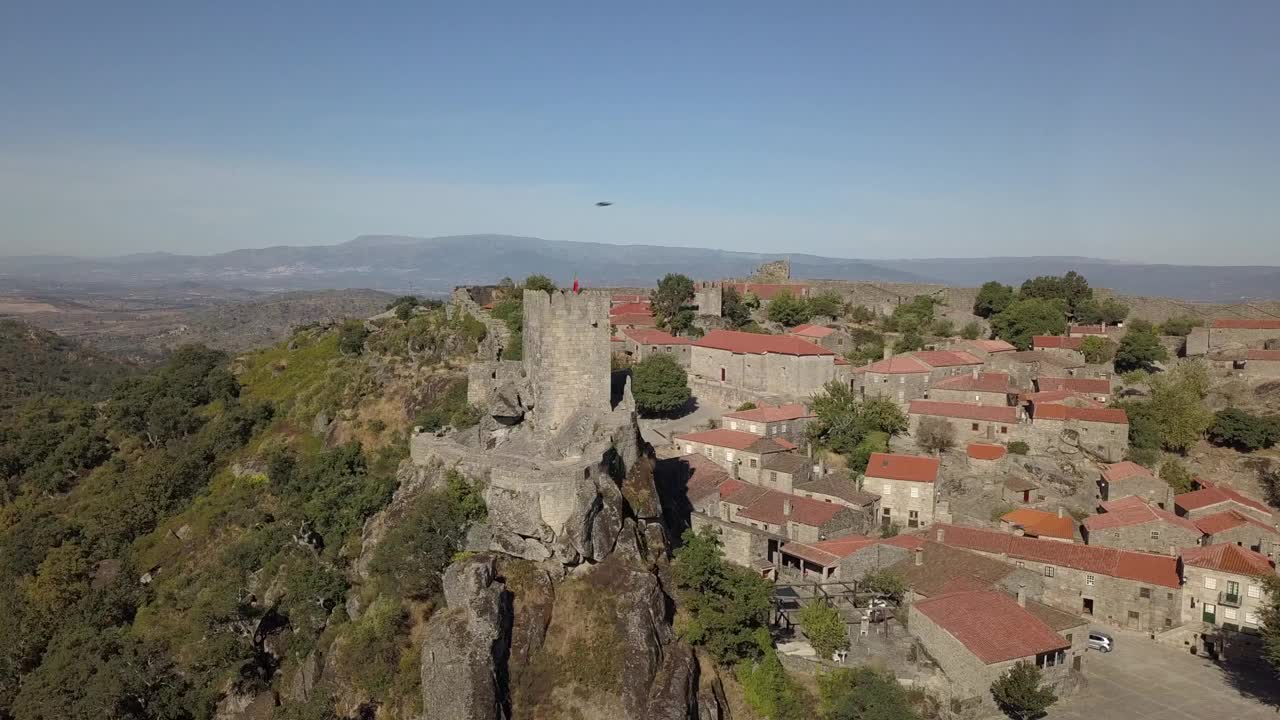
{"type": "Point", "coordinates": [946, 358]}
{"type": "Point", "coordinates": [812, 331]}
{"type": "Point", "coordinates": [897, 365]}
{"type": "Point", "coordinates": [983, 451]}
{"type": "Point", "coordinates": [632, 308]}
{"type": "Point", "coordinates": [737, 492]}
{"type": "Point", "coordinates": [1143, 567]}
{"type": "Point", "coordinates": [1208, 496]}
{"type": "Point", "coordinates": [704, 476]}
{"type": "Point", "coordinates": [992, 625]}
{"type": "Point", "coordinates": [1042, 524]}
{"type": "Point", "coordinates": [633, 319]}
{"type": "Point", "coordinates": [829, 552]}
{"type": "Point", "coordinates": [1226, 557]}
{"type": "Point", "coordinates": [1090, 329]}
{"type": "Point", "coordinates": [1243, 324]}
{"type": "Point", "coordinates": [647, 336]}
{"type": "Point", "coordinates": [757, 344]}
{"type": "Point", "coordinates": [766, 291]}
{"type": "Point", "coordinates": [736, 440]}
{"type": "Point", "coordinates": [1066, 412]}
{"type": "Point", "coordinates": [1262, 355]}
{"type": "Point", "coordinates": [841, 361]}
{"type": "Point", "coordinates": [1124, 470]}
{"type": "Point", "coordinates": [967, 411]}
{"type": "Point", "coordinates": [1089, 386]}
{"type": "Point", "coordinates": [1133, 510]}
{"type": "Point", "coordinates": [1061, 397]}
{"type": "Point", "coordinates": [914, 468]}
{"type": "Point", "coordinates": [985, 382]}
{"type": "Point", "coordinates": [1228, 520]}
{"type": "Point", "coordinates": [618, 298]}
{"type": "Point", "coordinates": [1043, 342]}
{"type": "Point", "coordinates": [772, 413]}
{"type": "Point", "coordinates": [806, 511]}
{"type": "Point", "coordinates": [992, 346]}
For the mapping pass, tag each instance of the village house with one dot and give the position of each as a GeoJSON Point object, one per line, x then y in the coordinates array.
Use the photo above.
{"type": "Point", "coordinates": [1232, 334]}
{"type": "Point", "coordinates": [984, 388]}
{"type": "Point", "coordinates": [784, 471]}
{"type": "Point", "coordinates": [979, 635]}
{"type": "Point", "coordinates": [847, 558]}
{"type": "Point", "coordinates": [984, 457]}
{"type": "Point", "coordinates": [907, 485]}
{"type": "Point", "coordinates": [787, 421]}
{"type": "Point", "coordinates": [838, 487]}
{"type": "Point", "coordinates": [1232, 527]}
{"type": "Point", "coordinates": [931, 569]}
{"type": "Point", "coordinates": [1058, 397]}
{"type": "Point", "coordinates": [1066, 347]}
{"type": "Point", "coordinates": [762, 364]}
{"type": "Point", "coordinates": [787, 515]}
{"type": "Point", "coordinates": [690, 484]}
{"type": "Point", "coordinates": [642, 343]}
{"type": "Point", "coordinates": [1224, 588]}
{"type": "Point", "coordinates": [904, 378]}
{"type": "Point", "coordinates": [1042, 524]}
{"type": "Point", "coordinates": [984, 350]}
{"type": "Point", "coordinates": [836, 339]}
{"type": "Point", "coordinates": [741, 453]}
{"type": "Point", "coordinates": [971, 422]}
{"type": "Point", "coordinates": [1102, 432]}
{"type": "Point", "coordinates": [1098, 389]}
{"type": "Point", "coordinates": [1025, 366]}
{"type": "Point", "coordinates": [1262, 363]}
{"type": "Point", "coordinates": [1127, 478]}
{"type": "Point", "coordinates": [1020, 491]}
{"type": "Point", "coordinates": [637, 314]}
{"type": "Point", "coordinates": [1130, 523]}
{"type": "Point", "coordinates": [1136, 590]}
{"type": "Point", "coordinates": [1215, 499]}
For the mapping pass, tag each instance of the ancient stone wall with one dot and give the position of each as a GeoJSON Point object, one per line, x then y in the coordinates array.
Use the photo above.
{"type": "Point", "coordinates": [566, 354]}
{"type": "Point", "coordinates": [1250, 536]}
{"type": "Point", "coordinates": [902, 388]}
{"type": "Point", "coordinates": [967, 431]}
{"type": "Point", "coordinates": [497, 385]}
{"type": "Point", "coordinates": [901, 498]}
{"type": "Point", "coordinates": [740, 544]}
{"type": "Point", "coordinates": [773, 271]}
{"type": "Point", "coordinates": [1139, 537]}
{"type": "Point", "coordinates": [709, 298]}
{"type": "Point", "coordinates": [1150, 488]}
{"type": "Point", "coordinates": [715, 394]}
{"type": "Point", "coordinates": [497, 335]}
{"type": "Point", "coordinates": [1105, 441]}
{"type": "Point", "coordinates": [972, 397]}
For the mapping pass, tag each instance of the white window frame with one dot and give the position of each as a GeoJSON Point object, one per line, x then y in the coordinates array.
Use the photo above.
{"type": "Point", "coordinates": [1255, 591]}
{"type": "Point", "coordinates": [733, 424]}
{"type": "Point", "coordinates": [1210, 583]}
{"type": "Point", "coordinates": [753, 427]}
{"type": "Point", "coordinates": [1088, 579]}
{"type": "Point", "coordinates": [728, 455]}
{"type": "Point", "coordinates": [1251, 618]}
{"type": "Point", "coordinates": [688, 449]}
{"type": "Point", "coordinates": [888, 489]}
{"type": "Point", "coordinates": [915, 492]}
{"type": "Point", "coordinates": [1229, 613]}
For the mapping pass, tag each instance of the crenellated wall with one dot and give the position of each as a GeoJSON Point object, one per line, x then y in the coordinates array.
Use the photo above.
{"type": "Point", "coordinates": [566, 354]}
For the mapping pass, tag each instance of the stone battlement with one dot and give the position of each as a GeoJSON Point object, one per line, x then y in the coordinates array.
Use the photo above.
{"type": "Point", "coordinates": [566, 354]}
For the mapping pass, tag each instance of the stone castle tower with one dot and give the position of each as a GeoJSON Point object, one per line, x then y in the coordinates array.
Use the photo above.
{"type": "Point", "coordinates": [566, 354]}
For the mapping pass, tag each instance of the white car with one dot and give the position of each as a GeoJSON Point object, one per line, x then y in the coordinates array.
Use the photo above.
{"type": "Point", "coordinates": [1101, 641]}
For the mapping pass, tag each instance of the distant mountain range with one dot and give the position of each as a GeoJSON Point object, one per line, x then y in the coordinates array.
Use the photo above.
{"type": "Point", "coordinates": [434, 265]}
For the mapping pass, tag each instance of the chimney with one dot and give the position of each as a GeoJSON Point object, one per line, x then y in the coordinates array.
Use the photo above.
{"type": "Point", "coordinates": [941, 534]}
{"type": "Point", "coordinates": [888, 352]}
{"type": "Point", "coordinates": [1022, 594]}
{"type": "Point", "coordinates": [733, 468]}
{"type": "Point", "coordinates": [975, 373]}
{"type": "Point", "coordinates": [786, 506]}
{"type": "Point", "coordinates": [919, 556]}
{"type": "Point", "coordinates": [1061, 512]}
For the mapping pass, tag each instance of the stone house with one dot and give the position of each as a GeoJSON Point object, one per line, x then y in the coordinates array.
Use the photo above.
{"type": "Point", "coordinates": [1262, 363]}
{"type": "Point", "coordinates": [985, 457]}
{"type": "Point", "coordinates": [787, 421]}
{"type": "Point", "coordinates": [790, 516]}
{"type": "Point", "coordinates": [1231, 527]}
{"type": "Point", "coordinates": [764, 364]}
{"type": "Point", "coordinates": [708, 298]}
{"type": "Point", "coordinates": [1102, 432]}
{"type": "Point", "coordinates": [979, 635]}
{"type": "Point", "coordinates": [831, 338]}
{"type": "Point", "coordinates": [932, 569]}
{"type": "Point", "coordinates": [1232, 334]}
{"type": "Point", "coordinates": [1224, 587]}
{"type": "Point", "coordinates": [984, 350]}
{"type": "Point", "coordinates": [1129, 479]}
{"type": "Point", "coordinates": [1109, 332]}
{"type": "Point", "coordinates": [1042, 524]}
{"type": "Point", "coordinates": [741, 453]}
{"type": "Point", "coordinates": [901, 378]}
{"type": "Point", "coordinates": [1136, 590]}
{"type": "Point", "coordinates": [1020, 491]}
{"type": "Point", "coordinates": [981, 423]}
{"type": "Point", "coordinates": [1024, 367]}
{"type": "Point", "coordinates": [642, 343]}
{"type": "Point", "coordinates": [784, 471]}
{"type": "Point", "coordinates": [841, 489]}
{"type": "Point", "coordinates": [1065, 347]}
{"type": "Point", "coordinates": [689, 484]}
{"type": "Point", "coordinates": [907, 485]}
{"type": "Point", "coordinates": [1132, 524]}
{"type": "Point", "coordinates": [743, 545]}
{"type": "Point", "coordinates": [819, 560]}
{"type": "Point", "coordinates": [1214, 499]}
{"type": "Point", "coordinates": [1098, 389]}
{"type": "Point", "coordinates": [983, 388]}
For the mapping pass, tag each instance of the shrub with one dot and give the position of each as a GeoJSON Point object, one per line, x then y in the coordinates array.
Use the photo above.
{"type": "Point", "coordinates": [1245, 432]}
{"type": "Point", "coordinates": [767, 688]}
{"type": "Point", "coordinates": [788, 309]}
{"type": "Point", "coordinates": [660, 385]}
{"type": "Point", "coordinates": [746, 406]}
{"type": "Point", "coordinates": [351, 337]}
{"type": "Point", "coordinates": [824, 627]}
{"type": "Point", "coordinates": [972, 330]}
{"type": "Point", "coordinates": [726, 604]}
{"type": "Point", "coordinates": [1097, 350]}
{"type": "Point", "coordinates": [1177, 475]}
{"type": "Point", "coordinates": [1020, 694]}
{"type": "Point", "coordinates": [863, 693]}
{"type": "Point", "coordinates": [1018, 447]}
{"type": "Point", "coordinates": [935, 435]}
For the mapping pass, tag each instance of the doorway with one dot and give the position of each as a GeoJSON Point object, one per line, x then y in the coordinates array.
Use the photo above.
{"type": "Point", "coordinates": [1088, 606]}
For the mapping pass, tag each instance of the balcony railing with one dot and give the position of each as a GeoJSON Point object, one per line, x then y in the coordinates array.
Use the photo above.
{"type": "Point", "coordinates": [1229, 599]}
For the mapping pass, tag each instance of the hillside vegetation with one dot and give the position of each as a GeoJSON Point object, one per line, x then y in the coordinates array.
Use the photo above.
{"type": "Point", "coordinates": [36, 362]}
{"type": "Point", "coordinates": [187, 545]}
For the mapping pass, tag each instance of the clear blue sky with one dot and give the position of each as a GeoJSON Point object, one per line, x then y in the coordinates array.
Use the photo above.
{"type": "Point", "coordinates": [1140, 130]}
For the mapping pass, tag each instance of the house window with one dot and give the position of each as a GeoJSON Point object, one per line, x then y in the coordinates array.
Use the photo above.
{"type": "Point", "coordinates": [728, 455]}
{"type": "Point", "coordinates": [913, 518]}
{"type": "Point", "coordinates": [773, 476]}
{"type": "Point", "coordinates": [1210, 583]}
{"type": "Point", "coordinates": [888, 489]}
{"type": "Point", "coordinates": [1255, 591]}
{"type": "Point", "coordinates": [1251, 618]}
{"type": "Point", "coordinates": [1133, 615]}
{"type": "Point", "coordinates": [902, 379]}
{"type": "Point", "coordinates": [721, 374]}
{"type": "Point", "coordinates": [915, 492]}
{"type": "Point", "coordinates": [1004, 429]}
{"type": "Point", "coordinates": [782, 428]}
{"type": "Point", "coordinates": [974, 427]}
{"type": "Point", "coordinates": [1068, 637]}
{"type": "Point", "coordinates": [1088, 579]}
{"type": "Point", "coordinates": [1144, 593]}
{"type": "Point", "coordinates": [1048, 571]}
{"type": "Point", "coordinates": [1229, 613]}
{"type": "Point", "coordinates": [688, 449]}
{"type": "Point", "coordinates": [753, 427]}
{"type": "Point", "coordinates": [710, 453]}
{"type": "Point", "coordinates": [1155, 534]}
{"type": "Point", "coordinates": [753, 462]}
{"type": "Point", "coordinates": [733, 424]}
{"type": "Point", "coordinates": [1021, 564]}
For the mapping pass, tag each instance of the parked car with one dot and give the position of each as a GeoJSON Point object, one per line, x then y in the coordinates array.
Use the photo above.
{"type": "Point", "coordinates": [1101, 641]}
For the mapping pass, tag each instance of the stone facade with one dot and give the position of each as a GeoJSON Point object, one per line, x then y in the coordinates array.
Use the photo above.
{"type": "Point", "coordinates": [1158, 535]}
{"type": "Point", "coordinates": [567, 354]}
{"type": "Point", "coordinates": [906, 503]}
{"type": "Point", "coordinates": [969, 430]}
{"type": "Point", "coordinates": [1144, 485]}
{"type": "Point", "coordinates": [792, 429]}
{"type": "Point", "coordinates": [973, 397]}
{"type": "Point", "coordinates": [1205, 340]}
{"type": "Point", "coordinates": [741, 544]}
{"type": "Point", "coordinates": [1106, 441]}
{"type": "Point", "coordinates": [1217, 597]}
{"type": "Point", "coordinates": [640, 346]}
{"type": "Point", "coordinates": [791, 376]}
{"type": "Point", "coordinates": [743, 464]}
{"type": "Point", "coordinates": [1255, 537]}
{"type": "Point", "coordinates": [708, 297]}
{"type": "Point", "coordinates": [902, 388]}
{"type": "Point", "coordinates": [1264, 366]}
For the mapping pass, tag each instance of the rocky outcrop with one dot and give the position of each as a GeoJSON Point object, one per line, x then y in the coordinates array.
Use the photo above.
{"type": "Point", "coordinates": [465, 648]}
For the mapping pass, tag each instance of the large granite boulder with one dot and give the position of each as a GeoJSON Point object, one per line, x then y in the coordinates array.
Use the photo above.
{"type": "Point", "coordinates": [465, 647]}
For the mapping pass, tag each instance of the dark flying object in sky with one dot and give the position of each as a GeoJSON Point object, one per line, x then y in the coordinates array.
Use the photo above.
{"type": "Point", "coordinates": [604, 203]}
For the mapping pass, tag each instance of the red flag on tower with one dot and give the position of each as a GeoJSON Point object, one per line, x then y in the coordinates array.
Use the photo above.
{"type": "Point", "coordinates": [576, 289]}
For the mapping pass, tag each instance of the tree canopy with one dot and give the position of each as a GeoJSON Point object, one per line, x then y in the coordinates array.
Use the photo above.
{"type": "Point", "coordinates": [659, 385]}
{"type": "Point", "coordinates": [847, 424]}
{"type": "Point", "coordinates": [1140, 348]}
{"type": "Point", "coordinates": [1072, 289]}
{"type": "Point", "coordinates": [727, 604]}
{"type": "Point", "coordinates": [1244, 431]}
{"type": "Point", "coordinates": [788, 309]}
{"type": "Point", "coordinates": [1029, 316]}
{"type": "Point", "coordinates": [993, 298]}
{"type": "Point", "coordinates": [734, 309]}
{"type": "Point", "coordinates": [672, 303]}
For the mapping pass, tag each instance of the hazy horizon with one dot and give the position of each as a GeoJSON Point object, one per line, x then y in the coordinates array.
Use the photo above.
{"type": "Point", "coordinates": [1134, 134]}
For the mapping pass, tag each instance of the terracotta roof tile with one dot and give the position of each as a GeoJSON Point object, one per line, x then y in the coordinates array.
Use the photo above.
{"type": "Point", "coordinates": [757, 344]}
{"type": "Point", "coordinates": [1228, 520]}
{"type": "Point", "coordinates": [1209, 496]}
{"type": "Point", "coordinates": [1046, 342]}
{"type": "Point", "coordinates": [632, 319]}
{"type": "Point", "coordinates": [940, 565]}
{"type": "Point", "coordinates": [702, 477]}
{"type": "Point", "coordinates": [737, 492]}
{"type": "Point", "coordinates": [946, 358]}
{"type": "Point", "coordinates": [839, 487]}
{"type": "Point", "coordinates": [773, 413]}
{"type": "Point", "coordinates": [993, 413]}
{"type": "Point", "coordinates": [647, 336]}
{"type": "Point", "coordinates": [1226, 557]}
{"type": "Point", "coordinates": [913, 468]}
{"type": "Point", "coordinates": [829, 552]}
{"type": "Point", "coordinates": [1066, 412]}
{"type": "Point", "coordinates": [992, 625]}
{"type": "Point", "coordinates": [1246, 324]}
{"type": "Point", "coordinates": [1262, 355]}
{"type": "Point", "coordinates": [982, 451]}
{"type": "Point", "coordinates": [1041, 523]}
{"type": "Point", "coordinates": [1125, 470]}
{"type": "Point", "coordinates": [1133, 510]}
{"type": "Point", "coordinates": [1091, 329]}
{"type": "Point", "coordinates": [632, 308]}
{"type": "Point", "coordinates": [1088, 386]}
{"type": "Point", "coordinates": [812, 331]}
{"type": "Point", "coordinates": [898, 365]}
{"type": "Point", "coordinates": [1061, 397]}
{"type": "Point", "coordinates": [985, 382]}
{"type": "Point", "coordinates": [992, 346]}
{"type": "Point", "coordinates": [769, 508]}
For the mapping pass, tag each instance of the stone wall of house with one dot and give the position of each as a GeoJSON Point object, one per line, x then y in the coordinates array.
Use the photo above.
{"type": "Point", "coordinates": [739, 463]}
{"type": "Point", "coordinates": [788, 376]}
{"type": "Point", "coordinates": [741, 545]}
{"type": "Point", "coordinates": [902, 388]}
{"type": "Point", "coordinates": [897, 501]}
{"type": "Point", "coordinates": [858, 565]}
{"type": "Point", "coordinates": [986, 431]}
{"type": "Point", "coordinates": [1114, 599]}
{"type": "Point", "coordinates": [497, 335]}
{"type": "Point", "coordinates": [1105, 441]}
{"type": "Point", "coordinates": [1074, 356]}
{"type": "Point", "coordinates": [714, 393]}
{"type": "Point", "coordinates": [1203, 340]}
{"type": "Point", "coordinates": [972, 397]}
{"type": "Point", "coordinates": [793, 430]}
{"type": "Point", "coordinates": [1150, 488]}
{"type": "Point", "coordinates": [567, 354]}
{"type": "Point", "coordinates": [638, 351]}
{"type": "Point", "coordinates": [1210, 587]}
{"type": "Point", "coordinates": [1248, 536]}
{"type": "Point", "coordinates": [1265, 517]}
{"type": "Point", "coordinates": [1167, 537]}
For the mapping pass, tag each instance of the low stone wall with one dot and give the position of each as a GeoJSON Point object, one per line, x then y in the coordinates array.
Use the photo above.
{"type": "Point", "coordinates": [710, 393]}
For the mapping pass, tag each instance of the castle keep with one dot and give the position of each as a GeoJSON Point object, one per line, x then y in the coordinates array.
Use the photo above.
{"type": "Point", "coordinates": [566, 354]}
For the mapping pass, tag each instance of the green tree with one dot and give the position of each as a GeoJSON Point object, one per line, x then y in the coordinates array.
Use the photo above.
{"type": "Point", "coordinates": [788, 309]}
{"type": "Point", "coordinates": [866, 346]}
{"type": "Point", "coordinates": [861, 314]}
{"type": "Point", "coordinates": [935, 435]}
{"type": "Point", "coordinates": [1245, 432]}
{"type": "Point", "coordinates": [540, 282]}
{"type": "Point", "coordinates": [972, 330]}
{"type": "Point", "coordinates": [1027, 317]}
{"type": "Point", "coordinates": [909, 341]}
{"type": "Point", "coordinates": [659, 384]}
{"type": "Point", "coordinates": [885, 582]}
{"type": "Point", "coordinates": [1140, 348]}
{"type": "Point", "coordinates": [942, 327]}
{"type": "Point", "coordinates": [843, 420]}
{"type": "Point", "coordinates": [767, 687]}
{"type": "Point", "coordinates": [1269, 617]}
{"type": "Point", "coordinates": [824, 628]}
{"type": "Point", "coordinates": [748, 405]}
{"type": "Point", "coordinates": [351, 337]}
{"type": "Point", "coordinates": [726, 604]}
{"type": "Point", "coordinates": [1180, 326]}
{"type": "Point", "coordinates": [1177, 475]}
{"type": "Point", "coordinates": [914, 316]}
{"type": "Point", "coordinates": [827, 303]}
{"type": "Point", "coordinates": [733, 309]}
{"type": "Point", "coordinates": [1020, 694]}
{"type": "Point", "coordinates": [672, 303]}
{"type": "Point", "coordinates": [993, 298]}
{"type": "Point", "coordinates": [863, 693]}
{"type": "Point", "coordinates": [1176, 406]}
{"type": "Point", "coordinates": [1096, 312]}
{"type": "Point", "coordinates": [1072, 289]}
{"type": "Point", "coordinates": [1097, 350]}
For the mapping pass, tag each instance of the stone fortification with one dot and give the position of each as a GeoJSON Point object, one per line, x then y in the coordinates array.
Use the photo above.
{"type": "Point", "coordinates": [497, 335]}
{"type": "Point", "coordinates": [773, 271]}
{"type": "Point", "coordinates": [566, 354]}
